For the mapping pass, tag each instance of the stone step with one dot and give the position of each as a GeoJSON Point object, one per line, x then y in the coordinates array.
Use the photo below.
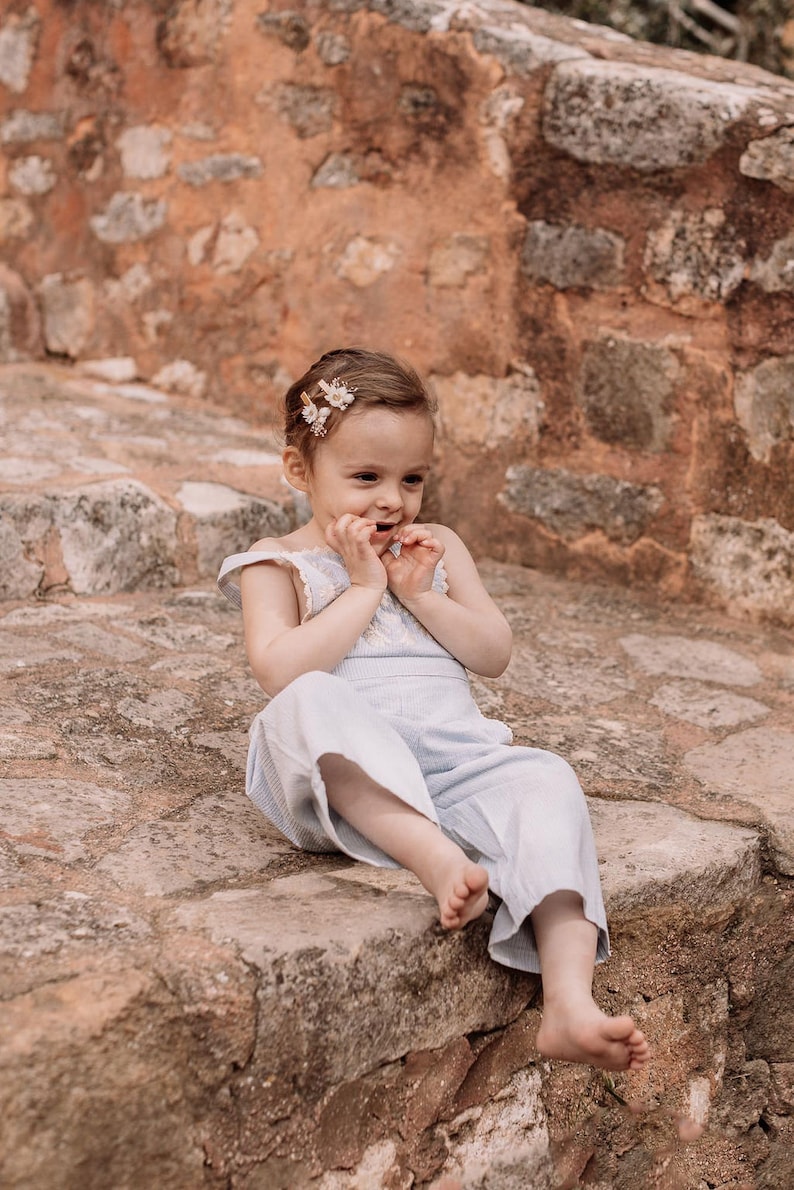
{"type": "Point", "coordinates": [108, 487]}
{"type": "Point", "coordinates": [188, 1001]}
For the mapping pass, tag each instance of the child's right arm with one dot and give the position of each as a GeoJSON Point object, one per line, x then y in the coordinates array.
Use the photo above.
{"type": "Point", "coordinates": [280, 648]}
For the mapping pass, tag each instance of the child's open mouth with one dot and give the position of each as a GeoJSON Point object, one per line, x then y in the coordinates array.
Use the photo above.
{"type": "Point", "coordinates": [383, 526]}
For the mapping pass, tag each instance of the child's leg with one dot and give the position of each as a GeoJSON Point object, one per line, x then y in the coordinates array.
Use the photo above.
{"type": "Point", "coordinates": [573, 1027]}
{"type": "Point", "coordinates": [459, 885]}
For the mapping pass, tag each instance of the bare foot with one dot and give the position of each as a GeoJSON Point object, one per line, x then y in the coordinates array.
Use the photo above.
{"type": "Point", "coordinates": [588, 1035]}
{"type": "Point", "coordinates": [461, 890]}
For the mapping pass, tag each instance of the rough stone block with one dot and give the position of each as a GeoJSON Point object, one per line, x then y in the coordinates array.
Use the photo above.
{"type": "Point", "coordinates": [57, 936]}
{"type": "Point", "coordinates": [705, 706]}
{"type": "Point", "coordinates": [220, 167]}
{"type": "Point", "coordinates": [477, 410]}
{"type": "Point", "coordinates": [625, 389]}
{"type": "Point", "coordinates": [755, 766]}
{"type": "Point", "coordinates": [18, 37]}
{"type": "Point", "coordinates": [20, 652]}
{"type": "Point", "coordinates": [685, 657]}
{"type": "Point", "coordinates": [749, 565]}
{"type": "Point", "coordinates": [73, 1049]}
{"type": "Point", "coordinates": [129, 217]}
{"type": "Point", "coordinates": [20, 330]}
{"type": "Point", "coordinates": [775, 274]}
{"type": "Point", "coordinates": [696, 255]}
{"type": "Point", "coordinates": [483, 1138]}
{"type": "Point", "coordinates": [572, 257]}
{"type": "Point", "coordinates": [17, 746]}
{"type": "Point", "coordinates": [183, 852]}
{"type": "Point", "coordinates": [235, 242]}
{"type": "Point", "coordinates": [161, 710]}
{"type": "Point", "coordinates": [653, 854]}
{"type": "Point", "coordinates": [289, 27]}
{"type": "Point", "coordinates": [145, 151]}
{"type": "Point", "coordinates": [309, 110]}
{"type": "Point", "coordinates": [16, 219]}
{"type": "Point", "coordinates": [337, 172]}
{"type": "Point", "coordinates": [120, 369]}
{"type": "Point", "coordinates": [572, 505]}
{"type": "Point", "coordinates": [497, 115]}
{"type": "Point", "coordinates": [32, 175]}
{"type": "Point", "coordinates": [580, 681]}
{"type": "Point", "coordinates": [320, 954]}
{"type": "Point", "coordinates": [508, 1053]}
{"type": "Point", "coordinates": [771, 159]}
{"type": "Point", "coordinates": [332, 48]}
{"type": "Point", "coordinates": [764, 403]}
{"type": "Point", "coordinates": [69, 308]}
{"type": "Point", "coordinates": [192, 31]}
{"type": "Point", "coordinates": [454, 260]}
{"type": "Point", "coordinates": [20, 576]}
{"type": "Point", "coordinates": [181, 376]}
{"type": "Point", "coordinates": [226, 521]}
{"type": "Point", "coordinates": [365, 259]}
{"type": "Point", "coordinates": [379, 1166]}
{"type": "Point", "coordinates": [26, 531]}
{"type": "Point", "coordinates": [51, 817]}
{"type": "Point", "coordinates": [434, 1077]}
{"type": "Point", "coordinates": [342, 1125]}
{"type": "Point", "coordinates": [116, 536]}
{"type": "Point", "coordinates": [418, 15]}
{"type": "Point", "coordinates": [22, 126]}
{"type": "Point", "coordinates": [520, 50]}
{"type": "Point", "coordinates": [648, 119]}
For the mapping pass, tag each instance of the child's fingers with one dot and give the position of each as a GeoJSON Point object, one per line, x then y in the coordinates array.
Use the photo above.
{"type": "Point", "coordinates": [413, 533]}
{"type": "Point", "coordinates": [419, 535]}
{"type": "Point", "coordinates": [350, 529]}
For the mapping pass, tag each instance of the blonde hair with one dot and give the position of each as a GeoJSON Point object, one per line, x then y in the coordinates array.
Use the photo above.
{"type": "Point", "coordinates": [378, 379]}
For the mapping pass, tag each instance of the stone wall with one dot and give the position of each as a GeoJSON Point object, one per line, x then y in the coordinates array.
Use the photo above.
{"type": "Point", "coordinates": [586, 241]}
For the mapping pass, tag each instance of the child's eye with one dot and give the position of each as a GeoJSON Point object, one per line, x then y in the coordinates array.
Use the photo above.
{"type": "Point", "coordinates": [366, 476]}
{"type": "Point", "coordinates": [413, 480]}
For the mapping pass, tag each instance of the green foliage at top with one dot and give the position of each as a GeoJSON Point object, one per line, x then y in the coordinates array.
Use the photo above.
{"type": "Point", "coordinates": [757, 31]}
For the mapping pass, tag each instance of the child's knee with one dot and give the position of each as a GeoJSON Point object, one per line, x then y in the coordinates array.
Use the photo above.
{"type": "Point", "coordinates": [561, 779]}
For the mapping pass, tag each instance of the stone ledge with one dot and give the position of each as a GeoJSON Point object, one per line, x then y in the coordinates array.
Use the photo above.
{"type": "Point", "coordinates": [294, 1007]}
{"type": "Point", "coordinates": [188, 1001]}
{"type": "Point", "coordinates": [109, 487]}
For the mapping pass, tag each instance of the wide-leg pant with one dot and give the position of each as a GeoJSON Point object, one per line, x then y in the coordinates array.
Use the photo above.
{"type": "Point", "coordinates": [416, 730]}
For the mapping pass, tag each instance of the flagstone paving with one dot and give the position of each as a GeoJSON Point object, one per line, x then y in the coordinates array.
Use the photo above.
{"type": "Point", "coordinates": [188, 999]}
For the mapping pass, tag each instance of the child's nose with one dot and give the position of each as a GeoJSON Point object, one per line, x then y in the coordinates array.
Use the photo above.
{"type": "Point", "coordinates": [389, 496]}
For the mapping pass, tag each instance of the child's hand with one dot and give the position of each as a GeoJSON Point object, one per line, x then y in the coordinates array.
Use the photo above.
{"type": "Point", "coordinates": [410, 573]}
{"type": "Point", "coordinates": [351, 537]}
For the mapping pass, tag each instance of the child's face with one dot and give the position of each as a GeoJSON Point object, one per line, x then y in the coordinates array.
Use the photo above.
{"type": "Point", "coordinates": [374, 465]}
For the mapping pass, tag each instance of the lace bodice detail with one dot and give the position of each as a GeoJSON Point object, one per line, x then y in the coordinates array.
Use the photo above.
{"type": "Point", "coordinates": [392, 632]}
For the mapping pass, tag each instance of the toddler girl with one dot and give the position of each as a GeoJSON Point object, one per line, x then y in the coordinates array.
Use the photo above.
{"type": "Point", "coordinates": [361, 625]}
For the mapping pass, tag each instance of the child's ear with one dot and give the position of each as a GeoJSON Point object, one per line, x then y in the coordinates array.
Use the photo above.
{"type": "Point", "coordinates": [295, 469]}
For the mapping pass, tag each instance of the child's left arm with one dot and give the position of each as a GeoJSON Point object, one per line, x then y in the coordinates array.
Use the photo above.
{"type": "Point", "coordinates": [465, 620]}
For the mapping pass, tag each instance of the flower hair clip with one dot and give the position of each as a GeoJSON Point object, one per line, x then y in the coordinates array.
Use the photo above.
{"type": "Point", "coordinates": [337, 393]}
{"type": "Point", "coordinates": [338, 396]}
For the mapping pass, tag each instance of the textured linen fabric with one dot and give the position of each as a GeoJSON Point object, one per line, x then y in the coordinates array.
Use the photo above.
{"type": "Point", "coordinates": [399, 706]}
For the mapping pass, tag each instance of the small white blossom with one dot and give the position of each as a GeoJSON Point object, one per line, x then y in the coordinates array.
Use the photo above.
{"type": "Point", "coordinates": [316, 418]}
{"type": "Point", "coordinates": [337, 393]}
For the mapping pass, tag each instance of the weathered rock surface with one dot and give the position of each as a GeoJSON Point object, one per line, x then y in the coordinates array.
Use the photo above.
{"type": "Point", "coordinates": [189, 1001]}
{"type": "Point", "coordinates": [584, 239]}
{"type": "Point", "coordinates": [104, 488]}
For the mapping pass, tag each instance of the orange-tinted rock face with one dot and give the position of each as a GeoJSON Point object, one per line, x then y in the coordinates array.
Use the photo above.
{"type": "Point", "coordinates": [583, 240]}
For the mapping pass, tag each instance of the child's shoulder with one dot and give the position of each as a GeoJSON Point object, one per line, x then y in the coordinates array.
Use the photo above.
{"type": "Point", "coordinates": [290, 543]}
{"type": "Point", "coordinates": [448, 538]}
{"type": "Point", "coordinates": [269, 545]}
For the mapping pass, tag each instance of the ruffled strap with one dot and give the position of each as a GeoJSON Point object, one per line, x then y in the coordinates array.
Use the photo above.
{"type": "Point", "coordinates": [231, 590]}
